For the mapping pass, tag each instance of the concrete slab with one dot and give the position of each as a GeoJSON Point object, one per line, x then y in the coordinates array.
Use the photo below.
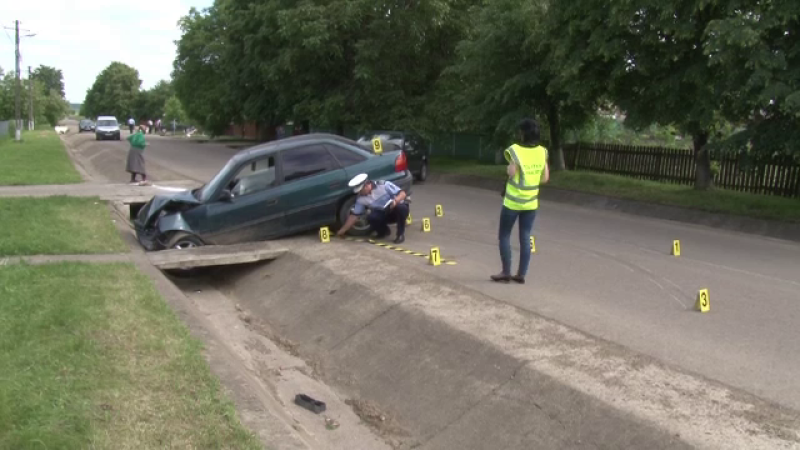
{"type": "Point", "coordinates": [431, 364]}
{"type": "Point", "coordinates": [118, 192]}
{"type": "Point", "coordinates": [215, 255]}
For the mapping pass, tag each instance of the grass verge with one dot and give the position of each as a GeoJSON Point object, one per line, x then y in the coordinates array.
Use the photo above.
{"type": "Point", "coordinates": [56, 226]}
{"type": "Point", "coordinates": [92, 357]}
{"type": "Point", "coordinates": [717, 200]}
{"type": "Point", "coordinates": [40, 158]}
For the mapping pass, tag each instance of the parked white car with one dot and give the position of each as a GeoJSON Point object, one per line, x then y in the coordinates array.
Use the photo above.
{"type": "Point", "coordinates": [107, 127]}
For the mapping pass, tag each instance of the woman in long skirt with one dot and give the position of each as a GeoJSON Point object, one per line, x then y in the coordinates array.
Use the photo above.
{"type": "Point", "coordinates": [135, 163]}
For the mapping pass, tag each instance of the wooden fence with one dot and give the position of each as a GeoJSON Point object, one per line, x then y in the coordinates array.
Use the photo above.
{"type": "Point", "coordinates": [777, 176]}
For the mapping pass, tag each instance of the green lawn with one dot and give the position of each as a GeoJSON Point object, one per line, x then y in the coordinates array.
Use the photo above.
{"type": "Point", "coordinates": [92, 357]}
{"type": "Point", "coordinates": [56, 226]}
{"type": "Point", "coordinates": [717, 200]}
{"type": "Point", "coordinates": [39, 159]}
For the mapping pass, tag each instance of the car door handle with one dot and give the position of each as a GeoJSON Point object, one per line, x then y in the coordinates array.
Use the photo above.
{"type": "Point", "coordinates": [272, 202]}
{"type": "Point", "coordinates": [335, 185]}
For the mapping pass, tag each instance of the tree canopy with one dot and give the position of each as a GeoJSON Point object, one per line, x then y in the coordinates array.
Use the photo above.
{"type": "Point", "coordinates": [696, 66]}
{"type": "Point", "coordinates": [51, 78]}
{"type": "Point", "coordinates": [114, 92]}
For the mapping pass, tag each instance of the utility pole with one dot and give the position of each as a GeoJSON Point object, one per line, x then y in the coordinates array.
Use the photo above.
{"type": "Point", "coordinates": [17, 112]}
{"type": "Point", "coordinates": [17, 117]}
{"type": "Point", "coordinates": [30, 102]}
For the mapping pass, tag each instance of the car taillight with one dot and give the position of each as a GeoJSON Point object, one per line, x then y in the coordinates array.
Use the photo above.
{"type": "Point", "coordinates": [401, 163]}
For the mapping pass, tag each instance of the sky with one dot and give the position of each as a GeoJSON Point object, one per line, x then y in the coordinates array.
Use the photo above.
{"type": "Point", "coordinates": [83, 37]}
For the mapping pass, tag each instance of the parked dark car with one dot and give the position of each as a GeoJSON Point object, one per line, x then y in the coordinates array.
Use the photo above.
{"type": "Point", "coordinates": [416, 148]}
{"type": "Point", "coordinates": [85, 125]}
{"type": "Point", "coordinates": [267, 191]}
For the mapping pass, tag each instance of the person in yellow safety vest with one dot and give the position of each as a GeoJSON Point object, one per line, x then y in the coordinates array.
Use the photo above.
{"type": "Point", "coordinates": [527, 169]}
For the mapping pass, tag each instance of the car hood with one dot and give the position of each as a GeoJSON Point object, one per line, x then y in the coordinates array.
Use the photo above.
{"type": "Point", "coordinates": [152, 209]}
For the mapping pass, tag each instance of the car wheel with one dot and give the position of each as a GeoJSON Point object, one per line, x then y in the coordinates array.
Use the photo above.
{"type": "Point", "coordinates": [182, 241]}
{"type": "Point", "coordinates": [422, 175]}
{"type": "Point", "coordinates": [361, 228]}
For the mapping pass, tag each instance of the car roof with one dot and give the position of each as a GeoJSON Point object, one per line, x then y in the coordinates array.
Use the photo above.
{"type": "Point", "coordinates": [291, 142]}
{"type": "Point", "coordinates": [106, 118]}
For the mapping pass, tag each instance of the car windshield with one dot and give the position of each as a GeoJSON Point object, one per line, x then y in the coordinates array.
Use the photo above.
{"type": "Point", "coordinates": [203, 193]}
{"type": "Point", "coordinates": [106, 123]}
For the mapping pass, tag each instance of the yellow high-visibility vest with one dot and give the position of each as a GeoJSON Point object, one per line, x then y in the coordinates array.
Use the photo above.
{"type": "Point", "coordinates": [522, 190]}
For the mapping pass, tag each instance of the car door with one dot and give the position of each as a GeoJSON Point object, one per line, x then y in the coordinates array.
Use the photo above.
{"type": "Point", "coordinates": [313, 182]}
{"type": "Point", "coordinates": [254, 209]}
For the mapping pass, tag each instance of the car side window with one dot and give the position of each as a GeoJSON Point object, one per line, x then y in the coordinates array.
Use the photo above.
{"type": "Point", "coordinates": [344, 156]}
{"type": "Point", "coordinates": [302, 162]}
{"type": "Point", "coordinates": [257, 175]}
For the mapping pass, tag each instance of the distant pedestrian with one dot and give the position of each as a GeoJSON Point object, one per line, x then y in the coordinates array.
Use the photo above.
{"type": "Point", "coordinates": [135, 163]}
{"type": "Point", "coordinates": [527, 169]}
{"type": "Point", "coordinates": [131, 124]}
{"type": "Point", "coordinates": [150, 126]}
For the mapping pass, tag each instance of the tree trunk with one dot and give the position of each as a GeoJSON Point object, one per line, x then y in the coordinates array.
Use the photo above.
{"type": "Point", "coordinates": [703, 180]}
{"type": "Point", "coordinates": [555, 150]}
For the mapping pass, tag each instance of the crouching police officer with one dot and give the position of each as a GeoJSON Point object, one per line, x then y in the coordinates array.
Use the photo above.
{"type": "Point", "coordinates": [387, 204]}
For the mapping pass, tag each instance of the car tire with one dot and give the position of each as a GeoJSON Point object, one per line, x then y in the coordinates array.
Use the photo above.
{"type": "Point", "coordinates": [361, 228]}
{"type": "Point", "coordinates": [183, 240]}
{"type": "Point", "coordinates": [422, 175]}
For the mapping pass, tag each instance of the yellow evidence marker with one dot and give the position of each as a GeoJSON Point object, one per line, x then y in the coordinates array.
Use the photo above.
{"type": "Point", "coordinates": [426, 225]}
{"type": "Point", "coordinates": [439, 211]}
{"type": "Point", "coordinates": [676, 248]}
{"type": "Point", "coordinates": [533, 245]}
{"type": "Point", "coordinates": [377, 146]}
{"type": "Point", "coordinates": [703, 303]}
{"type": "Point", "coordinates": [408, 219]}
{"type": "Point", "coordinates": [324, 235]}
{"type": "Point", "coordinates": [435, 257]}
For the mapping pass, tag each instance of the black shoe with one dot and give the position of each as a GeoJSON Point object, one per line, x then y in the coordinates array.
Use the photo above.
{"type": "Point", "coordinates": [501, 278]}
{"type": "Point", "coordinates": [519, 279]}
{"type": "Point", "coordinates": [400, 239]}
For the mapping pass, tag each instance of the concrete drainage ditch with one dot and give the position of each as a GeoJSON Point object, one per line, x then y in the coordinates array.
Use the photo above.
{"type": "Point", "coordinates": [426, 364]}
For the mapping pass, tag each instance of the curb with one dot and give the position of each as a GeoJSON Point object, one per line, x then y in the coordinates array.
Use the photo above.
{"type": "Point", "coordinates": [768, 228]}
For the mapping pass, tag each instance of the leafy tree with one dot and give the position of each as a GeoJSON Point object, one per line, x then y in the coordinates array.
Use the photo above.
{"type": "Point", "coordinates": [336, 63]}
{"type": "Point", "coordinates": [200, 75]}
{"type": "Point", "coordinates": [505, 71]}
{"type": "Point", "coordinates": [7, 81]}
{"type": "Point", "coordinates": [757, 46]}
{"type": "Point", "coordinates": [653, 60]}
{"type": "Point", "coordinates": [114, 92]}
{"type": "Point", "coordinates": [52, 78]}
{"type": "Point", "coordinates": [173, 110]}
{"type": "Point", "coordinates": [150, 103]}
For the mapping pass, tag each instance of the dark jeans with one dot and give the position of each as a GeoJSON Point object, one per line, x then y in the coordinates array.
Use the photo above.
{"type": "Point", "coordinates": [131, 127]}
{"type": "Point", "coordinates": [379, 220]}
{"type": "Point", "coordinates": [507, 219]}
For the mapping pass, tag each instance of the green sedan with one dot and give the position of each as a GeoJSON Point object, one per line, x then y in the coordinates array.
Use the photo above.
{"type": "Point", "coordinates": [268, 191]}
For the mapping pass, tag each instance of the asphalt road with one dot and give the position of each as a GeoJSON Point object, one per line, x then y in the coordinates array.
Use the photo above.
{"type": "Point", "coordinates": [607, 274]}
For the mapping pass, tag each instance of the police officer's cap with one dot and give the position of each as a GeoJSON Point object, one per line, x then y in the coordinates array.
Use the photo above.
{"type": "Point", "coordinates": [358, 182]}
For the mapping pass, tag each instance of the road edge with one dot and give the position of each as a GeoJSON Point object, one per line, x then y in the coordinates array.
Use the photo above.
{"type": "Point", "coordinates": [768, 228]}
